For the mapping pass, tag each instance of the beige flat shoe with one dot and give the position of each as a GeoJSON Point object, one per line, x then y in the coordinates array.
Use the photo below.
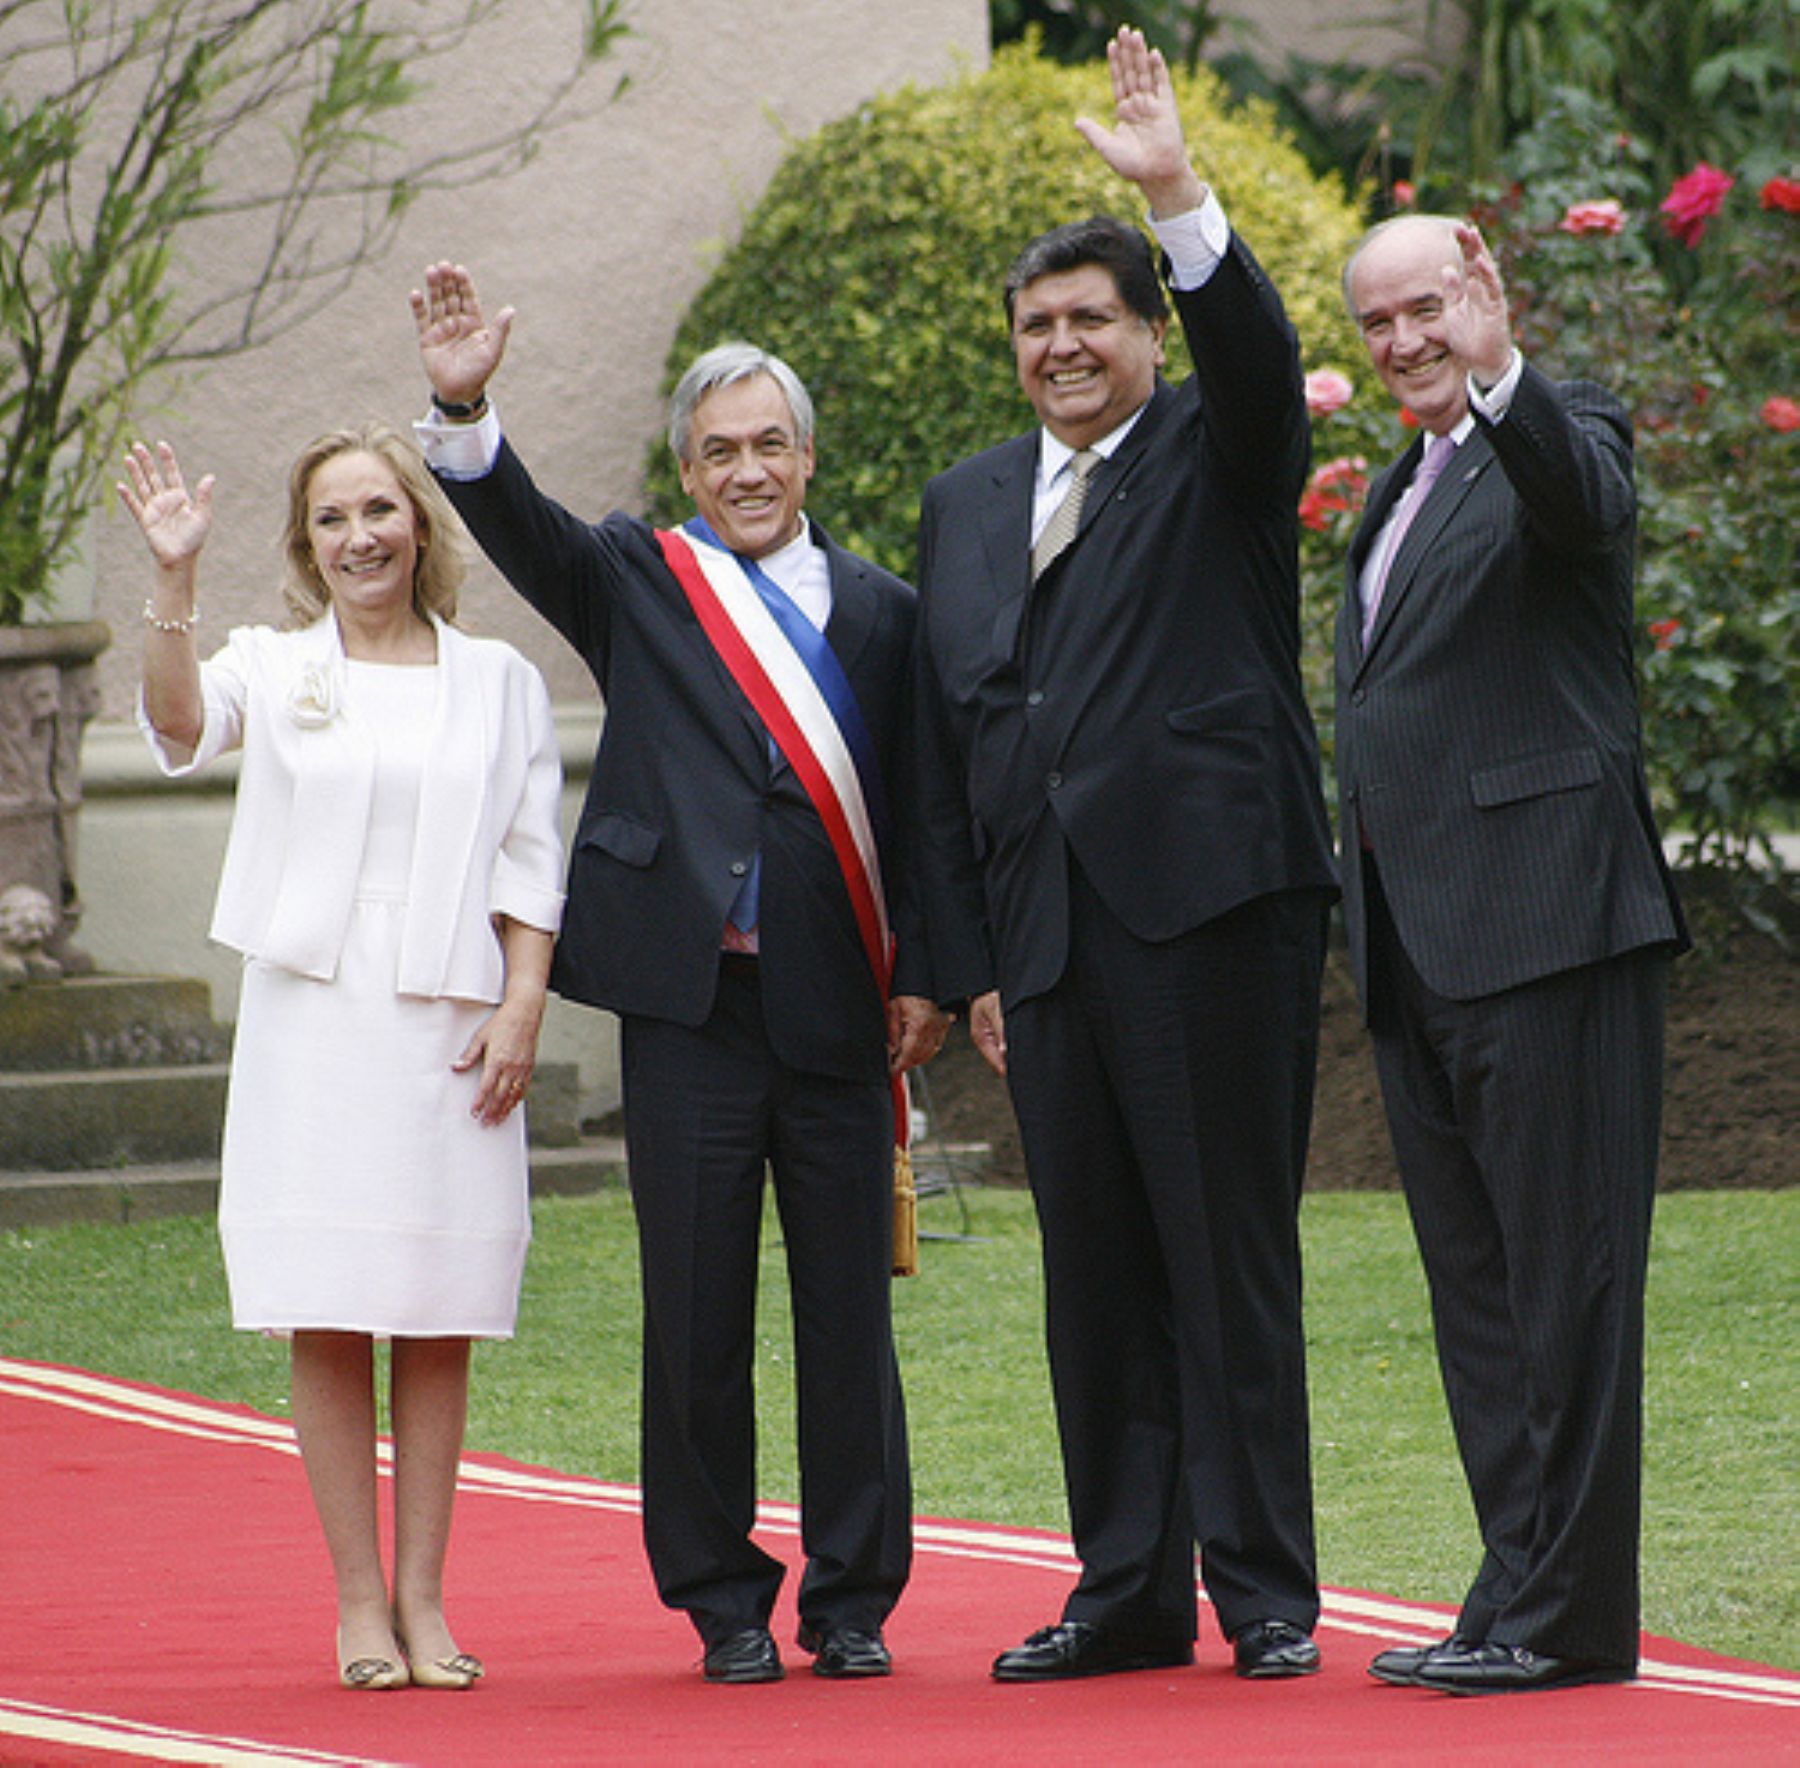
{"type": "Point", "coordinates": [370, 1674]}
{"type": "Point", "coordinates": [460, 1671]}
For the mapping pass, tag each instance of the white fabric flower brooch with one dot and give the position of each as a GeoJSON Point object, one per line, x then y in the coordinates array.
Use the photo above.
{"type": "Point", "coordinates": [312, 702]}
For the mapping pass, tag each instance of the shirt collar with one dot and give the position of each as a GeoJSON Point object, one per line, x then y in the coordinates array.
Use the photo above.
{"type": "Point", "coordinates": [1054, 454]}
{"type": "Point", "coordinates": [787, 563]}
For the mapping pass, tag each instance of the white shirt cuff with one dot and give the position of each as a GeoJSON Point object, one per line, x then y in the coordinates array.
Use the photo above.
{"type": "Point", "coordinates": [1494, 402]}
{"type": "Point", "coordinates": [459, 451]}
{"type": "Point", "coordinates": [1195, 242]}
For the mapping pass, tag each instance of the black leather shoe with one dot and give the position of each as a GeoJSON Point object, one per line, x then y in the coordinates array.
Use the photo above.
{"type": "Point", "coordinates": [1266, 1649]}
{"type": "Point", "coordinates": [1491, 1668]}
{"type": "Point", "coordinates": [1079, 1648]}
{"type": "Point", "coordinates": [1399, 1664]}
{"type": "Point", "coordinates": [749, 1656]}
{"type": "Point", "coordinates": [845, 1651]}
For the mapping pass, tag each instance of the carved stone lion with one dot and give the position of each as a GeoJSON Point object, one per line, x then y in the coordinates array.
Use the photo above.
{"type": "Point", "coordinates": [28, 920]}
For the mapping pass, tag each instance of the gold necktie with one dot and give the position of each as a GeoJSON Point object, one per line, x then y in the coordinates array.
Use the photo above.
{"type": "Point", "coordinates": [1065, 518]}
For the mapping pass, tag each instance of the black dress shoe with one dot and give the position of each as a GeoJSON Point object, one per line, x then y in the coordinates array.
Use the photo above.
{"type": "Point", "coordinates": [1079, 1648]}
{"type": "Point", "coordinates": [1399, 1664]}
{"type": "Point", "coordinates": [1492, 1668]}
{"type": "Point", "coordinates": [845, 1651]}
{"type": "Point", "coordinates": [749, 1656]}
{"type": "Point", "coordinates": [1267, 1649]}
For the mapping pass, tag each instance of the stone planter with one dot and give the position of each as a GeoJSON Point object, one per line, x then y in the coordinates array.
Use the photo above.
{"type": "Point", "coordinates": [48, 692]}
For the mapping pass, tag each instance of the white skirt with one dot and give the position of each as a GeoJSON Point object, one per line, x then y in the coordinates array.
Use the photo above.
{"type": "Point", "coordinates": [357, 1192]}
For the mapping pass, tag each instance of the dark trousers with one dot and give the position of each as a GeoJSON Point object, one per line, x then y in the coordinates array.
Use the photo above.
{"type": "Point", "coordinates": [1525, 1125]}
{"type": "Point", "coordinates": [1164, 1096]}
{"type": "Point", "coordinates": [707, 1111]}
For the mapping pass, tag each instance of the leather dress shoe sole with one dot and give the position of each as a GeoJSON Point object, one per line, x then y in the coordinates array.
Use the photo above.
{"type": "Point", "coordinates": [1492, 1668]}
{"type": "Point", "coordinates": [1399, 1664]}
{"type": "Point", "coordinates": [1078, 1648]}
{"type": "Point", "coordinates": [845, 1653]}
{"type": "Point", "coordinates": [1267, 1650]}
{"type": "Point", "coordinates": [749, 1656]}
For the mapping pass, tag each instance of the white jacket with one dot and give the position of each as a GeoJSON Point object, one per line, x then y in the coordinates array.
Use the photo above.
{"type": "Point", "coordinates": [486, 842]}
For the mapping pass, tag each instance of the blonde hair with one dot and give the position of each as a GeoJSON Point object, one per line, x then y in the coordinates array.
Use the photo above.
{"type": "Point", "coordinates": [442, 562]}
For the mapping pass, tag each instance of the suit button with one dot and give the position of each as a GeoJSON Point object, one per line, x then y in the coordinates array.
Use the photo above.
{"type": "Point", "coordinates": [1053, 781]}
{"type": "Point", "coordinates": [1357, 698]}
{"type": "Point", "coordinates": [1035, 697]}
{"type": "Point", "coordinates": [739, 867]}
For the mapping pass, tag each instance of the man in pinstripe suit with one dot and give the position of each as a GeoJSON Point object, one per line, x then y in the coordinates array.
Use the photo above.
{"type": "Point", "coordinates": [1510, 920]}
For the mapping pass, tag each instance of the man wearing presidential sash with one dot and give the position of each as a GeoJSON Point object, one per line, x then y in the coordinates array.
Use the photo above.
{"type": "Point", "coordinates": [732, 897]}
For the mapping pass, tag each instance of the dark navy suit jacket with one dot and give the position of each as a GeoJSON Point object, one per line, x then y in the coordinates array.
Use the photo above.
{"type": "Point", "coordinates": [683, 793]}
{"type": "Point", "coordinates": [1142, 701]}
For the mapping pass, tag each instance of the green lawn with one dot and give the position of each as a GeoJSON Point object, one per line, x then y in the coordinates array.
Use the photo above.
{"type": "Point", "coordinates": [1722, 1475]}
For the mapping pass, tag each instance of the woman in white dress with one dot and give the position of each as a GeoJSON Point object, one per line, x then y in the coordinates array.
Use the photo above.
{"type": "Point", "coordinates": [393, 879]}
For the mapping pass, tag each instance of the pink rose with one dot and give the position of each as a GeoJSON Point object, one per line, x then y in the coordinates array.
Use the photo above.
{"type": "Point", "coordinates": [1327, 391]}
{"type": "Point", "coordinates": [1781, 413]}
{"type": "Point", "coordinates": [1404, 193]}
{"type": "Point", "coordinates": [1693, 200]}
{"type": "Point", "coordinates": [1602, 215]}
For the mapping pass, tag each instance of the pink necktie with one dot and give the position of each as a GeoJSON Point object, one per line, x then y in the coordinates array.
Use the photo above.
{"type": "Point", "coordinates": [1437, 456]}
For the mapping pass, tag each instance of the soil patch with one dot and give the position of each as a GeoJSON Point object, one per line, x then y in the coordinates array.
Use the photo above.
{"type": "Point", "coordinates": [1731, 1107]}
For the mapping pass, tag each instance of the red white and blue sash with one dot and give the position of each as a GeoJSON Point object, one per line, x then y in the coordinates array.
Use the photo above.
{"type": "Point", "coordinates": [793, 679]}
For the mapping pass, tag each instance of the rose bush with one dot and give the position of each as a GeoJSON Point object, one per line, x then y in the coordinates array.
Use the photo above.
{"type": "Point", "coordinates": [1708, 369]}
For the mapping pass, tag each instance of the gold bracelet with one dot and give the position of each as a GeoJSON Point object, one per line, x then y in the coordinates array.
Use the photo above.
{"type": "Point", "coordinates": [181, 626]}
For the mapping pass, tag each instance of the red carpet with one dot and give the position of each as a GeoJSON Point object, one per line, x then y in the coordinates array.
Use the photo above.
{"type": "Point", "coordinates": [164, 1597]}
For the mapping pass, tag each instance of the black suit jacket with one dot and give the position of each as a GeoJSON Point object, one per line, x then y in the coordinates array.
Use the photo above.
{"type": "Point", "coordinates": [683, 792]}
{"type": "Point", "coordinates": [1142, 702]}
{"type": "Point", "coordinates": [1488, 741]}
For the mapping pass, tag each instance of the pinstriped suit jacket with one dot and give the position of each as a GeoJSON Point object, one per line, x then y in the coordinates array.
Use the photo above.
{"type": "Point", "coordinates": [1488, 740]}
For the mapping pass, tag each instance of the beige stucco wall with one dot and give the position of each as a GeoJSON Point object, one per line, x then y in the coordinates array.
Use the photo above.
{"type": "Point", "coordinates": [600, 244]}
{"type": "Point", "coordinates": [1368, 32]}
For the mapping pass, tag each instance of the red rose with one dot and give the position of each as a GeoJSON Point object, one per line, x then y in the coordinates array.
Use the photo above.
{"type": "Point", "coordinates": [1782, 193]}
{"type": "Point", "coordinates": [1407, 420]}
{"type": "Point", "coordinates": [1349, 471]}
{"type": "Point", "coordinates": [1781, 413]}
{"type": "Point", "coordinates": [1693, 200]}
{"type": "Point", "coordinates": [1664, 631]}
{"type": "Point", "coordinates": [1600, 215]}
{"type": "Point", "coordinates": [1338, 485]}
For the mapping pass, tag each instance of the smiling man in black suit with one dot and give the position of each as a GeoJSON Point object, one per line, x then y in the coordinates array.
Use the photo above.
{"type": "Point", "coordinates": [1510, 920]}
{"type": "Point", "coordinates": [1120, 760]}
{"type": "Point", "coordinates": [744, 950]}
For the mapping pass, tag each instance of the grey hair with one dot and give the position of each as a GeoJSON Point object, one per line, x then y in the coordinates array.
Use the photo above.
{"type": "Point", "coordinates": [1446, 224]}
{"type": "Point", "coordinates": [723, 366]}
